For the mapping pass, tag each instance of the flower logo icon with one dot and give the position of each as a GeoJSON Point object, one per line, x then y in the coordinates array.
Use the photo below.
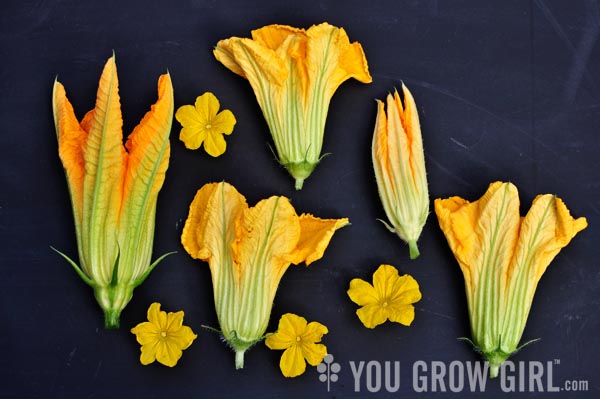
{"type": "Point", "coordinates": [328, 370]}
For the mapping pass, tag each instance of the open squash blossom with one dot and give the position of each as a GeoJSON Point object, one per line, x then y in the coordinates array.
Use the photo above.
{"type": "Point", "coordinates": [502, 257]}
{"type": "Point", "coordinates": [389, 298]}
{"type": "Point", "coordinates": [163, 337]}
{"type": "Point", "coordinates": [301, 343]}
{"type": "Point", "coordinates": [399, 166]}
{"type": "Point", "coordinates": [113, 189]}
{"type": "Point", "coordinates": [203, 124]}
{"type": "Point", "coordinates": [294, 73]}
{"type": "Point", "coordinates": [248, 251]}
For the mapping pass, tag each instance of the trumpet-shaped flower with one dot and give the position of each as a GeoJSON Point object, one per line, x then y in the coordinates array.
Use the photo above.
{"type": "Point", "coordinates": [389, 298]}
{"type": "Point", "coordinates": [300, 341]}
{"type": "Point", "coordinates": [399, 166]}
{"type": "Point", "coordinates": [113, 189]}
{"type": "Point", "coordinates": [294, 73]}
{"type": "Point", "coordinates": [163, 337]}
{"type": "Point", "coordinates": [502, 257]}
{"type": "Point", "coordinates": [204, 124]}
{"type": "Point", "coordinates": [248, 251]}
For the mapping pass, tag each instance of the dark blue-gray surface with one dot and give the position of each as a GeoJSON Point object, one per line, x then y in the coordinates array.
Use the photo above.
{"type": "Point", "coordinates": [506, 90]}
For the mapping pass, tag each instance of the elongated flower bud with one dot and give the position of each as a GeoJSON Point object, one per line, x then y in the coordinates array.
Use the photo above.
{"type": "Point", "coordinates": [399, 166]}
{"type": "Point", "coordinates": [114, 188]}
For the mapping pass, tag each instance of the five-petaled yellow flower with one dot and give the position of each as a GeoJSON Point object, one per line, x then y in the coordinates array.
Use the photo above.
{"type": "Point", "coordinates": [300, 341]}
{"type": "Point", "coordinates": [114, 188]}
{"type": "Point", "coordinates": [248, 250]}
{"type": "Point", "coordinates": [503, 256]}
{"type": "Point", "coordinates": [203, 123]}
{"type": "Point", "coordinates": [163, 337]}
{"type": "Point", "coordinates": [389, 298]}
{"type": "Point", "coordinates": [294, 74]}
{"type": "Point", "coordinates": [399, 165]}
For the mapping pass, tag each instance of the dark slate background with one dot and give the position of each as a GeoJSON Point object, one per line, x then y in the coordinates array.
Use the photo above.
{"type": "Point", "coordinates": [506, 90]}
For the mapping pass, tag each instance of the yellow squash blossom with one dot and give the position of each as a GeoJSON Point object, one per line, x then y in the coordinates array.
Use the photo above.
{"type": "Point", "coordinates": [248, 250]}
{"type": "Point", "coordinates": [163, 337]}
{"type": "Point", "coordinates": [399, 166]}
{"type": "Point", "coordinates": [389, 298]}
{"type": "Point", "coordinates": [294, 73]}
{"type": "Point", "coordinates": [502, 257]}
{"type": "Point", "coordinates": [113, 188]}
{"type": "Point", "coordinates": [204, 124]}
{"type": "Point", "coordinates": [300, 340]}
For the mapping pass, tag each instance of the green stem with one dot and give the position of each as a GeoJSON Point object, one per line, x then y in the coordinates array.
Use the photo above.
{"type": "Point", "coordinates": [111, 319]}
{"type": "Point", "coordinates": [414, 249]}
{"type": "Point", "coordinates": [239, 359]}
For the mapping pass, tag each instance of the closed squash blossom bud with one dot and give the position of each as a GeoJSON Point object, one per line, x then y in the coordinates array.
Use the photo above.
{"type": "Point", "coordinates": [399, 166]}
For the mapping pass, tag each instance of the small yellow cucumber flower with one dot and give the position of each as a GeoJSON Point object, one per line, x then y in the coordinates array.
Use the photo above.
{"type": "Point", "coordinates": [248, 251]}
{"type": "Point", "coordinates": [294, 73]}
{"type": "Point", "coordinates": [502, 257]}
{"type": "Point", "coordinates": [113, 188]}
{"type": "Point", "coordinates": [391, 297]}
{"type": "Point", "coordinates": [202, 123]}
{"type": "Point", "coordinates": [300, 340]}
{"type": "Point", "coordinates": [399, 166]}
{"type": "Point", "coordinates": [163, 337]}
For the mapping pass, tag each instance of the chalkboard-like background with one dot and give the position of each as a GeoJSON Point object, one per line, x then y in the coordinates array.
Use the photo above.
{"type": "Point", "coordinates": [506, 90]}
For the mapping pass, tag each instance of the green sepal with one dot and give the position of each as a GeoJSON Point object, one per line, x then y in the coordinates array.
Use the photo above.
{"type": "Point", "coordinates": [114, 280]}
{"type": "Point", "coordinates": [143, 277]}
{"type": "Point", "coordinates": [300, 171]}
{"type": "Point", "coordinates": [80, 272]}
{"type": "Point", "coordinates": [413, 250]}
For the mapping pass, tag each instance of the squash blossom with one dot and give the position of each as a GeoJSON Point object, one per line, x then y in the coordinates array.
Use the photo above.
{"type": "Point", "coordinates": [248, 251]}
{"type": "Point", "coordinates": [294, 73]}
{"type": "Point", "coordinates": [113, 188]}
{"type": "Point", "coordinates": [399, 165]}
{"type": "Point", "coordinates": [502, 257]}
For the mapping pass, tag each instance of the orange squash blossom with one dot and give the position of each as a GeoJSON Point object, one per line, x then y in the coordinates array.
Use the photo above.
{"type": "Point", "coordinates": [114, 188]}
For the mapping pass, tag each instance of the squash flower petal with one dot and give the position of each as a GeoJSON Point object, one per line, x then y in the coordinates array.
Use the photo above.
{"type": "Point", "coordinates": [399, 165]}
{"type": "Point", "coordinates": [389, 298]}
{"type": "Point", "coordinates": [114, 188]}
{"type": "Point", "coordinates": [248, 250]}
{"type": "Point", "coordinates": [502, 257]}
{"type": "Point", "coordinates": [294, 73]}
{"type": "Point", "coordinates": [300, 340]}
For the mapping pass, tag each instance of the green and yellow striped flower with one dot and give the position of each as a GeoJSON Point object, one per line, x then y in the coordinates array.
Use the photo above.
{"type": "Point", "coordinates": [114, 188]}
{"type": "Point", "coordinates": [248, 249]}
{"type": "Point", "coordinates": [294, 73]}
{"type": "Point", "coordinates": [502, 257]}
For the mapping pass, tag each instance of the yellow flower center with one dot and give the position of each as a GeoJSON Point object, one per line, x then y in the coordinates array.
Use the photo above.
{"type": "Point", "coordinates": [384, 304]}
{"type": "Point", "coordinates": [163, 334]}
{"type": "Point", "coordinates": [298, 339]}
{"type": "Point", "coordinates": [208, 126]}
